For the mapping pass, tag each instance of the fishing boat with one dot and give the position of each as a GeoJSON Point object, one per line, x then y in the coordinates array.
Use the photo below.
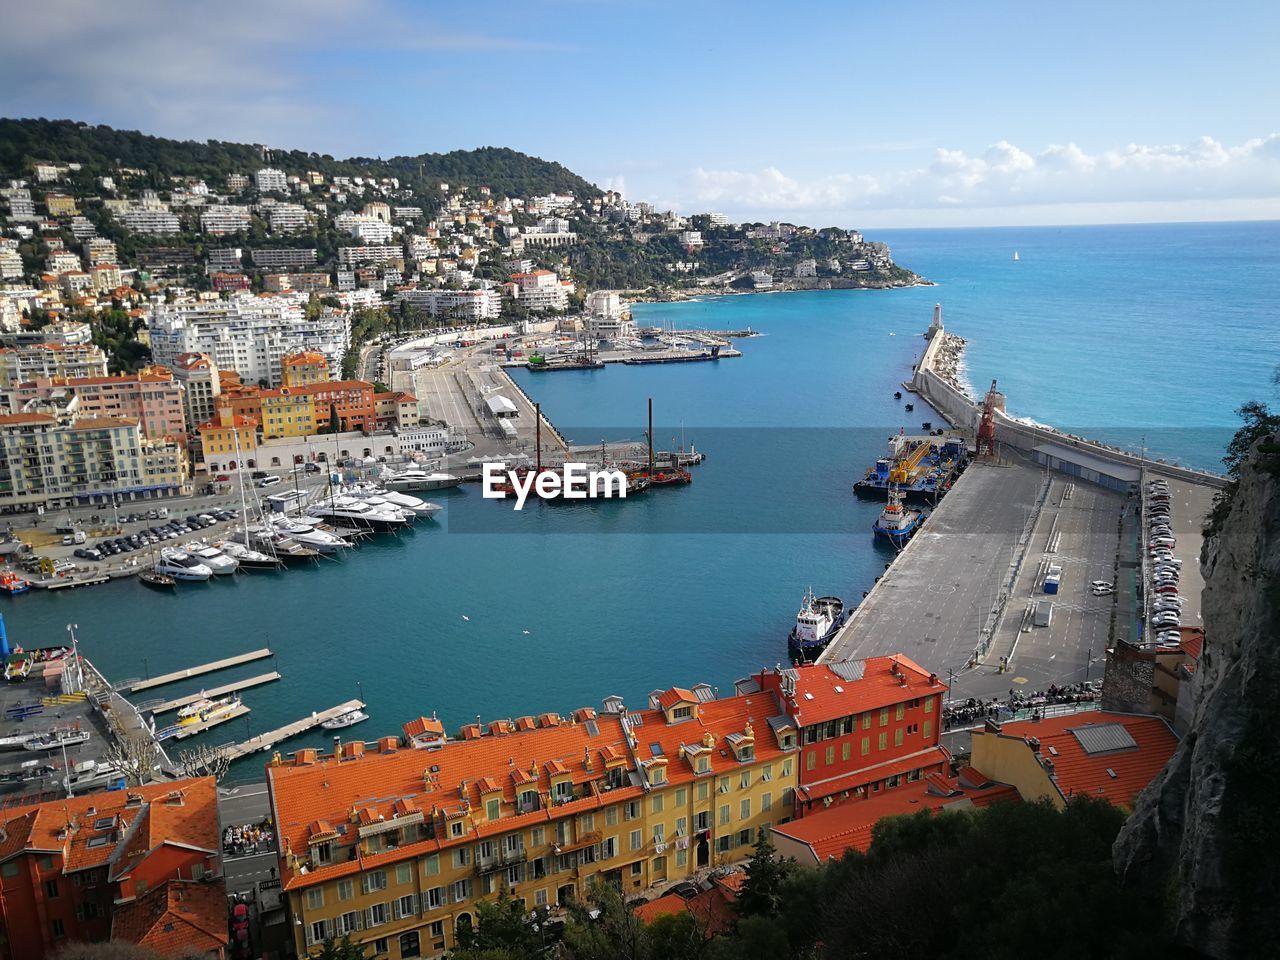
{"type": "Point", "coordinates": [348, 719]}
{"type": "Point", "coordinates": [896, 523]}
{"type": "Point", "coordinates": [157, 580]}
{"type": "Point", "coordinates": [816, 623]}
{"type": "Point", "coordinates": [182, 566]}
{"type": "Point", "coordinates": [54, 739]}
{"type": "Point", "coordinates": [415, 479]}
{"type": "Point", "coordinates": [12, 584]}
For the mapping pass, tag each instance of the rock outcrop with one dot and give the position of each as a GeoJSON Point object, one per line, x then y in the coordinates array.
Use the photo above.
{"type": "Point", "coordinates": [1205, 835]}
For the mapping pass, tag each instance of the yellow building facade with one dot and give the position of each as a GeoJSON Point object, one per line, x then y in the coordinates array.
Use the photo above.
{"type": "Point", "coordinates": [287, 413]}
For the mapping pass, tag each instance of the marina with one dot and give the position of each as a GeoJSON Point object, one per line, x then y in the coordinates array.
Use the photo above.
{"type": "Point", "coordinates": [165, 706]}
{"type": "Point", "coordinates": [137, 686]}
{"type": "Point", "coordinates": [264, 742]}
{"type": "Point", "coordinates": [184, 731]}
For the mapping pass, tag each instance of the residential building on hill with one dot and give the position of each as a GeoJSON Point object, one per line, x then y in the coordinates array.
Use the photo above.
{"type": "Point", "coordinates": [152, 397]}
{"type": "Point", "coordinates": [393, 846]}
{"type": "Point", "coordinates": [284, 258]}
{"type": "Point", "coordinates": [140, 865]}
{"type": "Point", "coordinates": [270, 180]}
{"type": "Point", "coordinates": [30, 362]}
{"type": "Point", "coordinates": [201, 386]}
{"type": "Point", "coordinates": [456, 304]}
{"type": "Point", "coordinates": [303, 368]}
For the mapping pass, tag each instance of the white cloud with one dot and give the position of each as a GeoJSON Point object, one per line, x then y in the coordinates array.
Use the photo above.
{"type": "Point", "coordinates": [1005, 176]}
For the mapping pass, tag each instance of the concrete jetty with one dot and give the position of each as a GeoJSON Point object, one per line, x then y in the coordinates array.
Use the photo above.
{"type": "Point", "coordinates": [265, 741]}
{"type": "Point", "coordinates": [137, 685]}
{"type": "Point", "coordinates": [214, 693]}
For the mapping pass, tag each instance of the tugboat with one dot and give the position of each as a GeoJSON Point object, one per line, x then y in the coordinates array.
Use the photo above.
{"type": "Point", "coordinates": [12, 584]}
{"type": "Point", "coordinates": [816, 623]}
{"type": "Point", "coordinates": [896, 523]}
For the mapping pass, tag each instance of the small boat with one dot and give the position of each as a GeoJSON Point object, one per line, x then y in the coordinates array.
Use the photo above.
{"type": "Point", "coordinates": [204, 710]}
{"type": "Point", "coordinates": [213, 558]}
{"type": "Point", "coordinates": [249, 559]}
{"type": "Point", "coordinates": [896, 523]}
{"type": "Point", "coordinates": [817, 622]}
{"type": "Point", "coordinates": [1016, 258]}
{"type": "Point", "coordinates": [18, 666]}
{"type": "Point", "coordinates": [157, 580]}
{"type": "Point", "coordinates": [182, 566]}
{"type": "Point", "coordinates": [54, 739]}
{"type": "Point", "coordinates": [348, 719]}
{"type": "Point", "coordinates": [91, 775]}
{"type": "Point", "coordinates": [909, 407]}
{"type": "Point", "coordinates": [12, 584]}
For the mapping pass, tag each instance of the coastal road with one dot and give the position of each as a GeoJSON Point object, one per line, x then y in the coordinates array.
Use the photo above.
{"type": "Point", "coordinates": [933, 602]}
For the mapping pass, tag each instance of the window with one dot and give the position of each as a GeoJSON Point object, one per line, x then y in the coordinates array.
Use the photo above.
{"type": "Point", "coordinates": [437, 929]}
{"type": "Point", "coordinates": [611, 816]}
{"type": "Point", "coordinates": [380, 945]}
{"type": "Point", "coordinates": [786, 768]}
{"type": "Point", "coordinates": [703, 764]}
{"type": "Point", "coordinates": [830, 758]}
{"type": "Point", "coordinates": [346, 889]}
{"type": "Point", "coordinates": [632, 810]}
{"type": "Point", "coordinates": [434, 898]}
{"type": "Point", "coordinates": [722, 844]}
{"type": "Point", "coordinates": [587, 822]}
{"type": "Point", "coordinates": [682, 713]}
{"type": "Point", "coordinates": [319, 931]}
{"type": "Point", "coordinates": [811, 759]}
{"type": "Point", "coordinates": [928, 705]}
{"type": "Point", "coordinates": [866, 720]}
{"type": "Point", "coordinates": [846, 750]}
{"type": "Point", "coordinates": [680, 797]}
{"type": "Point", "coordinates": [373, 880]}
{"type": "Point", "coordinates": [637, 868]}
{"type": "Point", "coordinates": [515, 874]}
{"type": "Point", "coordinates": [348, 923]}
{"type": "Point", "coordinates": [461, 890]}
{"type": "Point", "coordinates": [744, 781]}
{"type": "Point", "coordinates": [746, 753]}
{"type": "Point", "coordinates": [704, 790]}
{"type": "Point", "coordinates": [682, 826]}
{"type": "Point", "coordinates": [512, 843]}
{"type": "Point", "coordinates": [538, 836]}
{"type": "Point", "coordinates": [404, 873]}
{"type": "Point", "coordinates": [636, 841]}
{"type": "Point", "coordinates": [409, 945]}
{"type": "Point", "coordinates": [744, 837]}
{"type": "Point", "coordinates": [744, 809]}
{"type": "Point", "coordinates": [540, 898]}
{"type": "Point", "coordinates": [766, 774]}
{"type": "Point", "coordinates": [90, 910]}
{"type": "Point", "coordinates": [492, 809]}
{"type": "Point", "coordinates": [58, 929]}
{"type": "Point", "coordinates": [455, 828]}
{"type": "Point", "coordinates": [563, 789]}
{"type": "Point", "coordinates": [315, 898]}
{"type": "Point", "coordinates": [377, 915]}
{"type": "Point", "coordinates": [897, 737]}
{"type": "Point", "coordinates": [431, 865]}
{"type": "Point", "coordinates": [928, 729]}
{"type": "Point", "coordinates": [682, 858]}
{"type": "Point", "coordinates": [461, 856]}
{"type": "Point", "coordinates": [659, 832]}
{"type": "Point", "coordinates": [724, 814]}
{"type": "Point", "coordinates": [723, 785]}
{"type": "Point", "coordinates": [883, 742]}
{"type": "Point", "coordinates": [609, 848]}
{"type": "Point", "coordinates": [658, 803]}
{"type": "Point", "coordinates": [766, 803]}
{"type": "Point", "coordinates": [51, 889]}
{"type": "Point", "coordinates": [866, 745]}
{"type": "Point", "coordinates": [846, 725]}
{"type": "Point", "coordinates": [9, 869]}
{"type": "Point", "coordinates": [407, 906]}
{"type": "Point", "coordinates": [899, 712]}
{"type": "Point", "coordinates": [884, 716]}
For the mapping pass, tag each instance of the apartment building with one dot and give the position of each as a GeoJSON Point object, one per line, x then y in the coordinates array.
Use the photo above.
{"type": "Point", "coordinates": [61, 261]}
{"type": "Point", "coordinates": [270, 180]}
{"type": "Point", "coordinates": [106, 277]}
{"type": "Point", "coordinates": [140, 865]}
{"type": "Point", "coordinates": [284, 258]}
{"type": "Point", "coordinates": [51, 360]}
{"type": "Point", "coordinates": [149, 221]}
{"type": "Point", "coordinates": [151, 396]}
{"type": "Point", "coordinates": [867, 726]}
{"type": "Point", "coordinates": [229, 441]}
{"type": "Point", "coordinates": [226, 219]}
{"type": "Point", "coordinates": [287, 412]}
{"type": "Point", "coordinates": [247, 335]}
{"type": "Point", "coordinates": [396, 409]}
{"type": "Point", "coordinates": [393, 846]}
{"type": "Point", "coordinates": [60, 205]}
{"type": "Point", "coordinates": [287, 217]}
{"type": "Point", "coordinates": [455, 304]}
{"type": "Point", "coordinates": [60, 462]}
{"type": "Point", "coordinates": [366, 229]}
{"type": "Point", "coordinates": [303, 368]}
{"type": "Point", "coordinates": [542, 290]}
{"type": "Point", "coordinates": [201, 386]}
{"type": "Point", "coordinates": [349, 402]}
{"type": "Point", "coordinates": [383, 255]}
{"type": "Point", "coordinates": [301, 282]}
{"type": "Point", "coordinates": [224, 260]}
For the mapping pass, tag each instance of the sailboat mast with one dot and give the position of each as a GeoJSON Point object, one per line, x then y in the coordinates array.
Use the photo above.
{"type": "Point", "coordinates": [650, 436]}
{"type": "Point", "coordinates": [537, 432]}
{"type": "Point", "coordinates": [244, 510]}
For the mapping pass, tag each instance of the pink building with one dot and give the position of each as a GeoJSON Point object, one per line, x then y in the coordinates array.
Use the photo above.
{"type": "Point", "coordinates": [151, 396]}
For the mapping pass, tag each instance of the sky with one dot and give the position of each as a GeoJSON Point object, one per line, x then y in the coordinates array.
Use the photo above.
{"type": "Point", "coordinates": [859, 114]}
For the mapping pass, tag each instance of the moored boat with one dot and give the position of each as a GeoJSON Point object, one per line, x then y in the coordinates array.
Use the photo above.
{"type": "Point", "coordinates": [182, 566]}
{"type": "Point", "coordinates": [348, 719]}
{"type": "Point", "coordinates": [213, 558]}
{"type": "Point", "coordinates": [12, 584]}
{"type": "Point", "coordinates": [817, 622]}
{"type": "Point", "coordinates": [896, 523]}
{"type": "Point", "coordinates": [55, 739]}
{"type": "Point", "coordinates": [248, 558]}
{"type": "Point", "coordinates": [157, 580]}
{"type": "Point", "coordinates": [415, 479]}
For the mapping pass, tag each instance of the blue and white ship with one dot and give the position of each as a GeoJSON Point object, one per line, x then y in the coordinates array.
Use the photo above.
{"type": "Point", "coordinates": [818, 621]}
{"type": "Point", "coordinates": [896, 523]}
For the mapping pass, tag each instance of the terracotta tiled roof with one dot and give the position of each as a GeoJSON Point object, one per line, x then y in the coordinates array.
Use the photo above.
{"type": "Point", "coordinates": [670, 698]}
{"type": "Point", "coordinates": [849, 826]}
{"type": "Point", "coordinates": [712, 907]}
{"type": "Point", "coordinates": [179, 918]}
{"type": "Point", "coordinates": [423, 725]}
{"type": "Point", "coordinates": [902, 765]}
{"type": "Point", "coordinates": [1192, 641]}
{"type": "Point", "coordinates": [1078, 771]}
{"type": "Point", "coordinates": [822, 694]}
{"type": "Point", "coordinates": [15, 419]}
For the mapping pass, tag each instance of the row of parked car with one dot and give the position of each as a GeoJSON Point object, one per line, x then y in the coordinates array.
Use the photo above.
{"type": "Point", "coordinates": [1166, 603]}
{"type": "Point", "coordinates": [144, 538]}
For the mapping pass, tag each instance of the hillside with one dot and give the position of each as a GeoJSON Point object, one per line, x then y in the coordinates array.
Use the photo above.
{"type": "Point", "coordinates": [101, 149]}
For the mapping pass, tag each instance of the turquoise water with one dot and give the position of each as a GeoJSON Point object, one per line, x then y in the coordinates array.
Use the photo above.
{"type": "Point", "coordinates": [701, 583]}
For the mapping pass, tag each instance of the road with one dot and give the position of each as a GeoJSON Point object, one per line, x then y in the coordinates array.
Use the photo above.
{"type": "Point", "coordinates": [238, 806]}
{"type": "Point", "coordinates": [1189, 506]}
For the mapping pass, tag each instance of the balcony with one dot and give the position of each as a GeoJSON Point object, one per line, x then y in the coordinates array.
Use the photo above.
{"type": "Point", "coordinates": [589, 839]}
{"type": "Point", "coordinates": [501, 861]}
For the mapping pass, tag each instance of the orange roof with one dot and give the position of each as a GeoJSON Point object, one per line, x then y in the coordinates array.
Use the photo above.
{"type": "Point", "coordinates": [848, 826]}
{"type": "Point", "coordinates": [932, 756]}
{"type": "Point", "coordinates": [304, 356]}
{"type": "Point", "coordinates": [1192, 641]}
{"type": "Point", "coordinates": [14, 419]}
{"type": "Point", "coordinates": [822, 694]}
{"type": "Point", "coordinates": [43, 826]}
{"type": "Point", "coordinates": [102, 423]}
{"type": "Point", "coordinates": [192, 361]}
{"type": "Point", "coordinates": [712, 907]}
{"type": "Point", "coordinates": [178, 918]}
{"type": "Point", "coordinates": [423, 725]}
{"type": "Point", "coordinates": [674, 696]}
{"type": "Point", "coordinates": [1134, 760]}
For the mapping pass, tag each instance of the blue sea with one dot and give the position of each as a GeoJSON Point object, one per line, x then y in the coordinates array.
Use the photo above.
{"type": "Point", "coordinates": [1141, 334]}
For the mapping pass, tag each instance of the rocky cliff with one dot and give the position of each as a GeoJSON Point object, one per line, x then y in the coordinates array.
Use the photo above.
{"type": "Point", "coordinates": [1205, 836]}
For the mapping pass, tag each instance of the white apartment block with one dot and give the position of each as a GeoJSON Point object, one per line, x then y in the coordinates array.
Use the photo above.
{"type": "Point", "coordinates": [806, 268]}
{"type": "Point", "coordinates": [692, 239]}
{"type": "Point", "coordinates": [355, 256]}
{"type": "Point", "coordinates": [236, 182]}
{"type": "Point", "coordinates": [149, 221]}
{"type": "Point", "coordinates": [287, 217]}
{"type": "Point", "coordinates": [97, 250]}
{"type": "Point", "coordinates": [223, 220]}
{"type": "Point", "coordinates": [368, 229]}
{"type": "Point", "coordinates": [717, 219]}
{"type": "Point", "coordinates": [224, 260]}
{"type": "Point", "coordinates": [82, 229]}
{"type": "Point", "coordinates": [270, 180]}
{"type": "Point", "coordinates": [284, 257]}
{"type": "Point", "coordinates": [60, 262]}
{"type": "Point", "coordinates": [456, 304]}
{"type": "Point", "coordinates": [762, 279]}
{"type": "Point", "coordinates": [22, 363]}
{"type": "Point", "coordinates": [247, 334]}
{"type": "Point", "coordinates": [605, 303]}
{"type": "Point", "coordinates": [10, 264]}
{"type": "Point", "coordinates": [21, 206]}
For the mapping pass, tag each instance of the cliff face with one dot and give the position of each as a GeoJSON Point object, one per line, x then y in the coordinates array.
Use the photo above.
{"type": "Point", "coordinates": [1205, 836]}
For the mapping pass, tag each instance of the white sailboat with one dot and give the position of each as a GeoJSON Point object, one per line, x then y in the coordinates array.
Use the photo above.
{"type": "Point", "coordinates": [1016, 258]}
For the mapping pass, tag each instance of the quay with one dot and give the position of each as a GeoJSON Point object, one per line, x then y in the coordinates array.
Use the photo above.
{"type": "Point", "coordinates": [134, 686]}
{"type": "Point", "coordinates": [178, 703]}
{"type": "Point", "coordinates": [191, 729]}
{"type": "Point", "coordinates": [265, 741]}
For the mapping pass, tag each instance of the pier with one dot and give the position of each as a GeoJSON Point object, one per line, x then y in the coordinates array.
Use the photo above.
{"type": "Point", "coordinates": [265, 741]}
{"type": "Point", "coordinates": [134, 686]}
{"type": "Point", "coordinates": [178, 703]}
{"type": "Point", "coordinates": [191, 729]}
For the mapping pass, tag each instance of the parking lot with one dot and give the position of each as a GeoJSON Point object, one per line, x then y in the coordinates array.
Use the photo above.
{"type": "Point", "coordinates": [1182, 508]}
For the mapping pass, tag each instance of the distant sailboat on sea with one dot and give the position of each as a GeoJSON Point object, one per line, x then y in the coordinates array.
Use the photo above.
{"type": "Point", "coordinates": [1016, 258]}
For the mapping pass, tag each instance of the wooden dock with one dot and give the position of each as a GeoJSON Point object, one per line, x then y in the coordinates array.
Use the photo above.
{"type": "Point", "coordinates": [191, 729]}
{"type": "Point", "coordinates": [199, 671]}
{"type": "Point", "coordinates": [213, 694]}
{"type": "Point", "coordinates": [266, 741]}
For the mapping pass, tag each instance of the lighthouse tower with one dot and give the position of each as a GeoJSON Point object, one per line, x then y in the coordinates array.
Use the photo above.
{"type": "Point", "coordinates": [936, 327]}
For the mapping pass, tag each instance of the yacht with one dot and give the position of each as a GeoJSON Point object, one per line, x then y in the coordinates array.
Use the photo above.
{"type": "Point", "coordinates": [415, 479]}
{"type": "Point", "coordinates": [90, 775]}
{"type": "Point", "coordinates": [213, 558]}
{"type": "Point", "coordinates": [54, 739]}
{"type": "Point", "coordinates": [816, 624]}
{"type": "Point", "coordinates": [182, 566]}
{"type": "Point", "coordinates": [284, 547]}
{"type": "Point", "coordinates": [408, 506]}
{"type": "Point", "coordinates": [351, 512]}
{"type": "Point", "coordinates": [248, 559]}
{"type": "Point", "coordinates": [310, 535]}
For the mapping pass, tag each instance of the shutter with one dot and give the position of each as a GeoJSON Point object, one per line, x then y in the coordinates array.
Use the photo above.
{"type": "Point", "coordinates": [307, 933]}
{"type": "Point", "coordinates": [364, 883]}
{"type": "Point", "coordinates": [359, 919]}
{"type": "Point", "coordinates": [395, 909]}
{"type": "Point", "coordinates": [420, 899]}
{"type": "Point", "coordinates": [368, 917]}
